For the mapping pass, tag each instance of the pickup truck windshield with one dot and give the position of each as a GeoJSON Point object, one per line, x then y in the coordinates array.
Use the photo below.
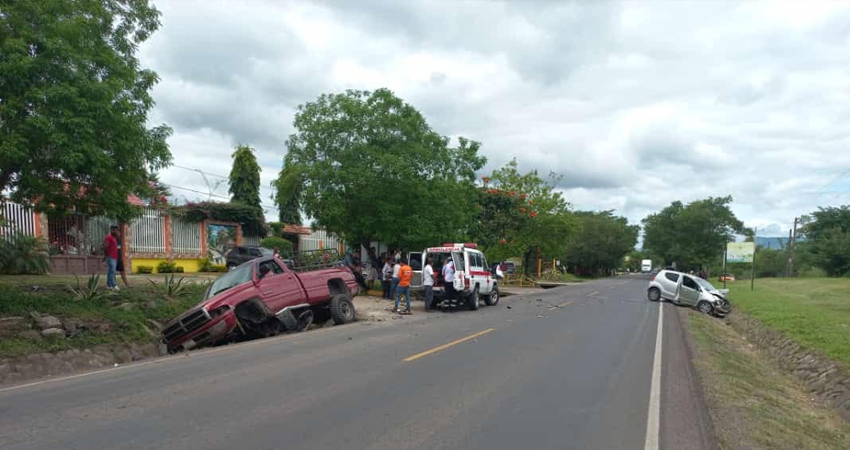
{"type": "Point", "coordinates": [235, 277]}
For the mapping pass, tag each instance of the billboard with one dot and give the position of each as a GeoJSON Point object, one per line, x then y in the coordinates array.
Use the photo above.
{"type": "Point", "coordinates": [740, 252]}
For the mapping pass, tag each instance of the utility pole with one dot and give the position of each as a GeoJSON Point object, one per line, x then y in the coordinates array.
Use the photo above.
{"type": "Point", "coordinates": [755, 247]}
{"type": "Point", "coordinates": [788, 252]}
{"type": "Point", "coordinates": [791, 249]}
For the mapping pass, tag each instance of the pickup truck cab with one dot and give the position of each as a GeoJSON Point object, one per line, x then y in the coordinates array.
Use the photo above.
{"type": "Point", "coordinates": [263, 297]}
{"type": "Point", "coordinates": [473, 280]}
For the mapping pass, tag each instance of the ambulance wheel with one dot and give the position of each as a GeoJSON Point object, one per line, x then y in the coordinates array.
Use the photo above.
{"type": "Point", "coordinates": [473, 300]}
{"type": "Point", "coordinates": [493, 298]}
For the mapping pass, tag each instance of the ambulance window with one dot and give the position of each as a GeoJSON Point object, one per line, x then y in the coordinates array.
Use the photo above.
{"type": "Point", "coordinates": [459, 261]}
{"type": "Point", "coordinates": [483, 261]}
{"type": "Point", "coordinates": [475, 259]}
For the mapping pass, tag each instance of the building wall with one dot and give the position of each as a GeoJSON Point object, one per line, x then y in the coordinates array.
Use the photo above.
{"type": "Point", "coordinates": [188, 265]}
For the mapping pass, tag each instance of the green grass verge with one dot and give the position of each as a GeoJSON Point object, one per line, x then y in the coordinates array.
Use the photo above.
{"type": "Point", "coordinates": [118, 325]}
{"type": "Point", "coordinates": [815, 312]}
{"type": "Point", "coordinates": [753, 404]}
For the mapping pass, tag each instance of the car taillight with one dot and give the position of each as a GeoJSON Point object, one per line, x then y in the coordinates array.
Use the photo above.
{"type": "Point", "coordinates": [466, 282]}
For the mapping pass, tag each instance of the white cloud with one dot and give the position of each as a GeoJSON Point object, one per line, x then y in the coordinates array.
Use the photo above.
{"type": "Point", "coordinates": [636, 104]}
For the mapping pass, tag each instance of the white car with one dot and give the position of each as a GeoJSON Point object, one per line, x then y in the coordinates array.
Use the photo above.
{"type": "Point", "coordinates": [683, 289]}
{"type": "Point", "coordinates": [473, 279]}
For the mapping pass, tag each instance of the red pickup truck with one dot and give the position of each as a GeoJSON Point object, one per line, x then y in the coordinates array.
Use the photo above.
{"type": "Point", "coordinates": [263, 297]}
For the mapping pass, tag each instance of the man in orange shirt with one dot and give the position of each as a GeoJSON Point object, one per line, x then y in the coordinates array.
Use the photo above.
{"type": "Point", "coordinates": [405, 274]}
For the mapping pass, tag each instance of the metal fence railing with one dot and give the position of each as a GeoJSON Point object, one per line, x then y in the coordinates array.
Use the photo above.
{"type": "Point", "coordinates": [251, 241]}
{"type": "Point", "coordinates": [318, 240]}
{"type": "Point", "coordinates": [185, 237]}
{"type": "Point", "coordinates": [148, 232]}
{"type": "Point", "coordinates": [16, 218]}
{"type": "Point", "coordinates": [77, 234]}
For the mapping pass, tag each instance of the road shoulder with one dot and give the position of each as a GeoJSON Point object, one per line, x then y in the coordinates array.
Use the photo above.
{"type": "Point", "coordinates": [754, 404]}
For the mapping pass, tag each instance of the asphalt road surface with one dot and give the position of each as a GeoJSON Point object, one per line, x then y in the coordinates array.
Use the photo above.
{"type": "Point", "coordinates": [569, 368]}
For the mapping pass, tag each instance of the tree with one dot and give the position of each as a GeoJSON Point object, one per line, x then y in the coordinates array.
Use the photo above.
{"type": "Point", "coordinates": [74, 104]}
{"type": "Point", "coordinates": [827, 233]}
{"type": "Point", "coordinates": [366, 165]}
{"type": "Point", "coordinates": [548, 224]}
{"type": "Point", "coordinates": [599, 242]}
{"type": "Point", "coordinates": [275, 242]}
{"type": "Point", "coordinates": [245, 177]}
{"type": "Point", "coordinates": [692, 235]}
{"type": "Point", "coordinates": [287, 191]}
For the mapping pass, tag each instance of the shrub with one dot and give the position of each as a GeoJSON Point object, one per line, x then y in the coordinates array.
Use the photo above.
{"type": "Point", "coordinates": [144, 269]}
{"type": "Point", "coordinates": [282, 244]}
{"type": "Point", "coordinates": [87, 292]}
{"type": "Point", "coordinates": [22, 254]}
{"type": "Point", "coordinates": [204, 265]}
{"type": "Point", "coordinates": [170, 288]}
{"type": "Point", "coordinates": [178, 269]}
{"type": "Point", "coordinates": [166, 267]}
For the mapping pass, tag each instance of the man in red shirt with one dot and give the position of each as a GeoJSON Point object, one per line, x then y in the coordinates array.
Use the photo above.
{"type": "Point", "coordinates": [110, 254]}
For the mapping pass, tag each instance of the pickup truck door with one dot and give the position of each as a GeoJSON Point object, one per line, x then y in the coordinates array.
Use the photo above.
{"type": "Point", "coordinates": [415, 259]}
{"type": "Point", "coordinates": [279, 287]}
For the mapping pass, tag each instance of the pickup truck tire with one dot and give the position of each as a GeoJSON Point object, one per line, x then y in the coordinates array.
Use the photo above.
{"type": "Point", "coordinates": [493, 298]}
{"type": "Point", "coordinates": [342, 309]}
{"type": "Point", "coordinates": [474, 300]}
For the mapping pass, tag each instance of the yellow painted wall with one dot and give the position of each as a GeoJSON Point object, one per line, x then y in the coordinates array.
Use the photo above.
{"type": "Point", "coordinates": [188, 265]}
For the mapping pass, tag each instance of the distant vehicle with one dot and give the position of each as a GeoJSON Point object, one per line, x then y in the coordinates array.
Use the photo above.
{"type": "Point", "coordinates": [241, 254]}
{"type": "Point", "coordinates": [726, 277]}
{"type": "Point", "coordinates": [646, 265]}
{"type": "Point", "coordinates": [473, 278]}
{"type": "Point", "coordinates": [508, 266]}
{"type": "Point", "coordinates": [265, 297]}
{"type": "Point", "coordinates": [683, 289]}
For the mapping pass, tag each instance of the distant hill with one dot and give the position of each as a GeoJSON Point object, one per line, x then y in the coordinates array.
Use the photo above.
{"type": "Point", "coordinates": [774, 242]}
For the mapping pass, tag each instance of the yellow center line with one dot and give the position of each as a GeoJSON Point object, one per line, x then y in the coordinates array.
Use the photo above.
{"type": "Point", "coordinates": [445, 346]}
{"type": "Point", "coordinates": [593, 293]}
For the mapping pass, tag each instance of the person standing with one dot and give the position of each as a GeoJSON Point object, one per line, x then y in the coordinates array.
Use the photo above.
{"type": "Point", "coordinates": [119, 267]}
{"type": "Point", "coordinates": [394, 282]}
{"type": "Point", "coordinates": [428, 284]}
{"type": "Point", "coordinates": [110, 255]}
{"type": "Point", "coordinates": [387, 277]}
{"type": "Point", "coordinates": [405, 274]}
{"type": "Point", "coordinates": [449, 278]}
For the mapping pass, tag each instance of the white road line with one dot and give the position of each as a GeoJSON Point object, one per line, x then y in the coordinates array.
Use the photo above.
{"type": "Point", "coordinates": [653, 418]}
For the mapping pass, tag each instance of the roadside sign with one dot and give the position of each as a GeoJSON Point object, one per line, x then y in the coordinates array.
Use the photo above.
{"type": "Point", "coordinates": [740, 252]}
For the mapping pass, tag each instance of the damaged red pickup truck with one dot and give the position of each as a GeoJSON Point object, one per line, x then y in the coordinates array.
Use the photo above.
{"type": "Point", "coordinates": [264, 297]}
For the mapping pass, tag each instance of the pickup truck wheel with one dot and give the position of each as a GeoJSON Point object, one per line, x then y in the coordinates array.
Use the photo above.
{"type": "Point", "coordinates": [474, 301]}
{"type": "Point", "coordinates": [493, 298]}
{"type": "Point", "coordinates": [342, 309]}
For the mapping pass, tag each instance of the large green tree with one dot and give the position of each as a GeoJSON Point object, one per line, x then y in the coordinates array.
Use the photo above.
{"type": "Point", "coordinates": [287, 194]}
{"type": "Point", "coordinates": [599, 243]}
{"type": "Point", "coordinates": [74, 104]}
{"type": "Point", "coordinates": [368, 166]}
{"type": "Point", "coordinates": [544, 222]}
{"type": "Point", "coordinates": [827, 233]}
{"type": "Point", "coordinates": [692, 235]}
{"type": "Point", "coordinates": [244, 177]}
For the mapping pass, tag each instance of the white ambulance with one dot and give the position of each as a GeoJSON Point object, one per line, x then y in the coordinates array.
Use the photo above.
{"type": "Point", "coordinates": [473, 280]}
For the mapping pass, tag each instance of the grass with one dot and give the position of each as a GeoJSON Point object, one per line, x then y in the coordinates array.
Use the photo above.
{"type": "Point", "coordinates": [119, 325]}
{"type": "Point", "coordinates": [815, 312]}
{"type": "Point", "coordinates": [753, 404]}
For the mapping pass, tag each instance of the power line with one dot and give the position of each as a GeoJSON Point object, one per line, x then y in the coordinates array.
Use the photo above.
{"type": "Point", "coordinates": [843, 174]}
{"type": "Point", "coordinates": [210, 174]}
{"type": "Point", "coordinates": [209, 194]}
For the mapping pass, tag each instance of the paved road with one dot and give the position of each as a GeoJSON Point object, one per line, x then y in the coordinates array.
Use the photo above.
{"type": "Point", "coordinates": [570, 368]}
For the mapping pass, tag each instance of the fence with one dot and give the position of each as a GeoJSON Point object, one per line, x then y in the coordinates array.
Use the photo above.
{"type": "Point", "coordinates": [185, 237]}
{"type": "Point", "coordinates": [15, 218]}
{"type": "Point", "coordinates": [77, 234]}
{"type": "Point", "coordinates": [148, 232]}
{"type": "Point", "coordinates": [318, 240]}
{"type": "Point", "coordinates": [251, 241]}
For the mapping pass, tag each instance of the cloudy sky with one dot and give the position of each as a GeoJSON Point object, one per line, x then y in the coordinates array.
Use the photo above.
{"type": "Point", "coordinates": [635, 104]}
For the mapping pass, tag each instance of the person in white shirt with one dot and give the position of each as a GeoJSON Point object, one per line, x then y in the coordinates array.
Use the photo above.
{"type": "Point", "coordinates": [394, 284]}
{"type": "Point", "coordinates": [387, 277]}
{"type": "Point", "coordinates": [428, 284]}
{"type": "Point", "coordinates": [449, 278]}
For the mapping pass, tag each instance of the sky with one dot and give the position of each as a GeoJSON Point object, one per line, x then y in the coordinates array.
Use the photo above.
{"type": "Point", "coordinates": [634, 104]}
